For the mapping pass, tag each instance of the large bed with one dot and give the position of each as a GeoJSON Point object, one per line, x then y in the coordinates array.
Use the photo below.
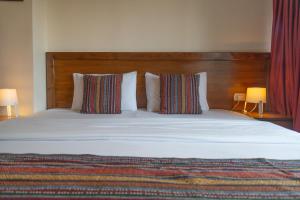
{"type": "Point", "coordinates": [214, 134]}
{"type": "Point", "coordinates": [220, 154]}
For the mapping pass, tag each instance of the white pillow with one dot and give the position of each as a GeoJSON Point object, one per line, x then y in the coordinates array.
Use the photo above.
{"type": "Point", "coordinates": [203, 91]}
{"type": "Point", "coordinates": [128, 91]}
{"type": "Point", "coordinates": [153, 92]}
{"type": "Point", "coordinates": [78, 92]}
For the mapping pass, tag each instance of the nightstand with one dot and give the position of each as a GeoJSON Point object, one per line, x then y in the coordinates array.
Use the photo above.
{"type": "Point", "coordinates": [4, 118]}
{"type": "Point", "coordinates": [281, 120]}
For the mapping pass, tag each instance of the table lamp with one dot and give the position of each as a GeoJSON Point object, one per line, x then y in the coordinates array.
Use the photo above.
{"type": "Point", "coordinates": [256, 95]}
{"type": "Point", "coordinates": [8, 98]}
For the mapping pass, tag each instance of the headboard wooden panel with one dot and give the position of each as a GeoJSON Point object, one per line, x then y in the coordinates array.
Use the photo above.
{"type": "Point", "coordinates": [227, 72]}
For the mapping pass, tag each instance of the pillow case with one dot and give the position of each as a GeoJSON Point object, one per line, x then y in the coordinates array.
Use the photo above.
{"type": "Point", "coordinates": [179, 94]}
{"type": "Point", "coordinates": [153, 91]}
{"type": "Point", "coordinates": [101, 94]}
{"type": "Point", "coordinates": [128, 91]}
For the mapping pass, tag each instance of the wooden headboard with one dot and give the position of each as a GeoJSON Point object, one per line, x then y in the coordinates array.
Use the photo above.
{"type": "Point", "coordinates": [227, 72]}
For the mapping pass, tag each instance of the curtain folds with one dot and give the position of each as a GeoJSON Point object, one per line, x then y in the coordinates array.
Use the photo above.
{"type": "Point", "coordinates": [285, 60]}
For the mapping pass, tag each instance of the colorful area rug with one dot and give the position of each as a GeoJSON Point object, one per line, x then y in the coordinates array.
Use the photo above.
{"type": "Point", "coordinates": [96, 177]}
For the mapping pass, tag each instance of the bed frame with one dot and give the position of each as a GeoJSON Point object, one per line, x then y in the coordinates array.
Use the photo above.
{"type": "Point", "coordinates": [227, 72]}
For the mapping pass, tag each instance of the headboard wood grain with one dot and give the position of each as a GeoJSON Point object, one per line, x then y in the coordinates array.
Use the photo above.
{"type": "Point", "coordinates": [227, 72]}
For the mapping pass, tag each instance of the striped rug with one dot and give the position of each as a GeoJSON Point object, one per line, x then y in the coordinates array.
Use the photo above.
{"type": "Point", "coordinates": [96, 177]}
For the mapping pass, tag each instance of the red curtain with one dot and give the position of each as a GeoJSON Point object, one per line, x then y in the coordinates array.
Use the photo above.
{"type": "Point", "coordinates": [285, 60]}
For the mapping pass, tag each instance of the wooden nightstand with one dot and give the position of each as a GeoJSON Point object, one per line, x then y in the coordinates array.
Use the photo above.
{"type": "Point", "coordinates": [4, 118]}
{"type": "Point", "coordinates": [281, 120]}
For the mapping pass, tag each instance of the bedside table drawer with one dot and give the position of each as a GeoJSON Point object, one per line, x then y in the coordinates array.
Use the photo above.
{"type": "Point", "coordinates": [281, 120]}
{"type": "Point", "coordinates": [4, 118]}
{"type": "Point", "coordinates": [285, 124]}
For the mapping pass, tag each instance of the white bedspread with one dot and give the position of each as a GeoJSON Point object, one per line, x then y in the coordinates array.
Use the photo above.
{"type": "Point", "coordinates": [214, 134]}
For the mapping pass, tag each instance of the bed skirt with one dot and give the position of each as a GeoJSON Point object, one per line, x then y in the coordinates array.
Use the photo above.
{"type": "Point", "coordinates": [31, 176]}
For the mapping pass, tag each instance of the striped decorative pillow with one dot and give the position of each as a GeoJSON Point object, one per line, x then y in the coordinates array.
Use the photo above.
{"type": "Point", "coordinates": [102, 94]}
{"type": "Point", "coordinates": [179, 94]}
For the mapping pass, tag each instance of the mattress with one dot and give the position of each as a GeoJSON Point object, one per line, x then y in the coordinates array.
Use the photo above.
{"type": "Point", "coordinates": [216, 134]}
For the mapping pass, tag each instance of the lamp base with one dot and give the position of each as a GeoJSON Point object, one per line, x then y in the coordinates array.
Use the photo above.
{"type": "Point", "coordinates": [260, 108]}
{"type": "Point", "coordinates": [12, 111]}
{"type": "Point", "coordinates": [9, 113]}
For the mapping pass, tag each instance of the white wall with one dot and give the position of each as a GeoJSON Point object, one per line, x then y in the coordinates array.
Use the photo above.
{"type": "Point", "coordinates": [30, 28]}
{"type": "Point", "coordinates": [159, 25]}
{"type": "Point", "coordinates": [39, 21]}
{"type": "Point", "coordinates": [16, 51]}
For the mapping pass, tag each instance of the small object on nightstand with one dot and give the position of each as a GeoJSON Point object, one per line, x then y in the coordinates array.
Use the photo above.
{"type": "Point", "coordinates": [281, 120]}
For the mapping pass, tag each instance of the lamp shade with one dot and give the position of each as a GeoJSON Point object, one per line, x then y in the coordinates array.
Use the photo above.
{"type": "Point", "coordinates": [256, 94]}
{"type": "Point", "coordinates": [8, 97]}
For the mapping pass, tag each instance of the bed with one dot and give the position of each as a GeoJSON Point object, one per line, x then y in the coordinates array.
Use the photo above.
{"type": "Point", "coordinates": [145, 134]}
{"type": "Point", "coordinates": [220, 154]}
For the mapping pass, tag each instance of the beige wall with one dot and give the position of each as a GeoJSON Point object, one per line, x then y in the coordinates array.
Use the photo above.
{"type": "Point", "coordinates": [159, 25]}
{"type": "Point", "coordinates": [28, 29]}
{"type": "Point", "coordinates": [16, 51]}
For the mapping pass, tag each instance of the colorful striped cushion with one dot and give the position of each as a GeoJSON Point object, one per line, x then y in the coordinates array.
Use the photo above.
{"type": "Point", "coordinates": [102, 94]}
{"type": "Point", "coordinates": [179, 94]}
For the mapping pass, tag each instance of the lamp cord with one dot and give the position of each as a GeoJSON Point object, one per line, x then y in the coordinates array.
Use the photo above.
{"type": "Point", "coordinates": [254, 108]}
{"type": "Point", "coordinates": [236, 105]}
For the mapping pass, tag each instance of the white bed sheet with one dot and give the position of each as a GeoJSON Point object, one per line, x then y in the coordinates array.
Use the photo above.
{"type": "Point", "coordinates": [214, 134]}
